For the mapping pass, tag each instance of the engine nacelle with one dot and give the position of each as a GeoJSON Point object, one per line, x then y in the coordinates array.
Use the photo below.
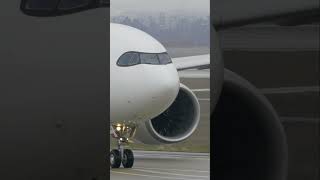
{"type": "Point", "coordinates": [249, 140]}
{"type": "Point", "coordinates": [175, 124]}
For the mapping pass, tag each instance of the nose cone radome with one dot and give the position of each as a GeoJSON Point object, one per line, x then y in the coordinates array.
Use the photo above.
{"type": "Point", "coordinates": [162, 89]}
{"type": "Point", "coordinates": [143, 92]}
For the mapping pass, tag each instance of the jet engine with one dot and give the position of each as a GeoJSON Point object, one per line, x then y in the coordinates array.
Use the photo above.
{"type": "Point", "coordinates": [249, 140]}
{"type": "Point", "coordinates": [175, 124]}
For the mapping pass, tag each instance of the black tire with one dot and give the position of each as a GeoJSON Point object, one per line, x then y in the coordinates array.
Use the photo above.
{"type": "Point", "coordinates": [115, 158]}
{"type": "Point", "coordinates": [128, 158]}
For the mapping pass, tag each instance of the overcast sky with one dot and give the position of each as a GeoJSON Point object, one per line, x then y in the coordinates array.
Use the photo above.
{"type": "Point", "coordinates": [178, 6]}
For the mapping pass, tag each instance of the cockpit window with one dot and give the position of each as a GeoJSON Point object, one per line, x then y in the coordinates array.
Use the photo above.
{"type": "Point", "coordinates": [129, 59]}
{"type": "Point", "coordinates": [149, 58]}
{"type": "Point", "coordinates": [164, 58]}
{"type": "Point", "coordinates": [134, 58]}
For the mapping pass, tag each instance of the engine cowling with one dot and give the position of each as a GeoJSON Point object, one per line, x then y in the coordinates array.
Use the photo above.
{"type": "Point", "coordinates": [175, 124]}
{"type": "Point", "coordinates": [249, 140]}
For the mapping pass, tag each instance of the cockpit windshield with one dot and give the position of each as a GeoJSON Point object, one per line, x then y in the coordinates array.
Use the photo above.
{"type": "Point", "coordinates": [134, 58]}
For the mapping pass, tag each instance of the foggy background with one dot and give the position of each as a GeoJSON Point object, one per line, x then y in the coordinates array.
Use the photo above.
{"type": "Point", "coordinates": [196, 7]}
{"type": "Point", "coordinates": [183, 27]}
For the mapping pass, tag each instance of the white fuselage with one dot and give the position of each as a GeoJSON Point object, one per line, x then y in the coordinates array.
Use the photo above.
{"type": "Point", "coordinates": [143, 91]}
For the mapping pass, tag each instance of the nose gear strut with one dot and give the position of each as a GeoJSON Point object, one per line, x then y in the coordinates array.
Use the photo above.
{"type": "Point", "coordinates": [122, 133]}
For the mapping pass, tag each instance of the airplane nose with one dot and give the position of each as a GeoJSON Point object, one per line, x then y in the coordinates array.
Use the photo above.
{"type": "Point", "coordinates": [143, 92]}
{"type": "Point", "coordinates": [163, 89]}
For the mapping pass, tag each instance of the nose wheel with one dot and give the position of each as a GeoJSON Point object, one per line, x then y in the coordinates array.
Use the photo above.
{"type": "Point", "coordinates": [115, 158]}
{"type": "Point", "coordinates": [120, 155]}
{"type": "Point", "coordinates": [126, 158]}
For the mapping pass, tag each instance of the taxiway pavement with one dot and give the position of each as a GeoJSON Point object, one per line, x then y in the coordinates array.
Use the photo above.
{"type": "Point", "coordinates": [155, 165]}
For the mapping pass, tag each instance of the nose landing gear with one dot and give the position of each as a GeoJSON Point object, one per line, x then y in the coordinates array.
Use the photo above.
{"type": "Point", "coordinates": [120, 155]}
